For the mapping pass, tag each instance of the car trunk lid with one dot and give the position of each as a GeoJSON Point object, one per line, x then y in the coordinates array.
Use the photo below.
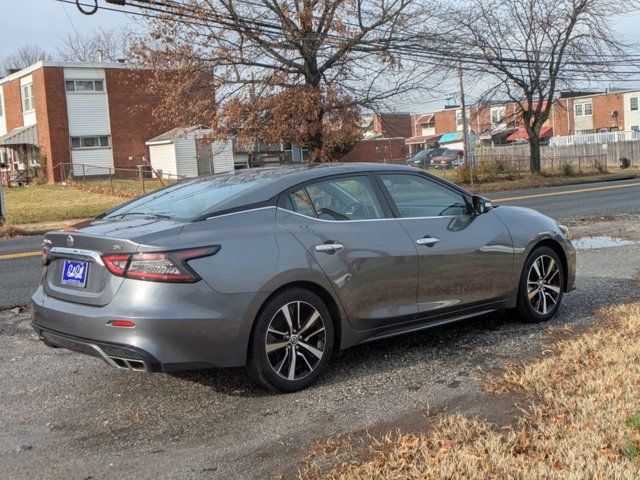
{"type": "Point", "coordinates": [76, 271]}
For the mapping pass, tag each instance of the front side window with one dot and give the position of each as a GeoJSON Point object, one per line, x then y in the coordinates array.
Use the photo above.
{"type": "Point", "coordinates": [27, 97]}
{"type": "Point", "coordinates": [578, 109]}
{"type": "Point", "coordinates": [633, 104]}
{"type": "Point", "coordinates": [351, 198]}
{"type": "Point", "coordinates": [417, 196]}
{"type": "Point", "coordinates": [497, 115]}
{"type": "Point", "coordinates": [1, 110]}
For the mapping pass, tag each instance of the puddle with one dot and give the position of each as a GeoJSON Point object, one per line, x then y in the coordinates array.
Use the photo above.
{"type": "Point", "coordinates": [586, 243]}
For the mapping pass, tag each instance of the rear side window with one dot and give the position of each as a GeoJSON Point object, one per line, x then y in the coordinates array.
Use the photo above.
{"type": "Point", "coordinates": [342, 199]}
{"type": "Point", "coordinates": [416, 196]}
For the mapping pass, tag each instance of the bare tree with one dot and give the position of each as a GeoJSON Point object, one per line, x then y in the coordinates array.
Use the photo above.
{"type": "Point", "coordinates": [111, 45]}
{"type": "Point", "coordinates": [299, 70]}
{"type": "Point", "coordinates": [527, 50]}
{"type": "Point", "coordinates": [24, 57]}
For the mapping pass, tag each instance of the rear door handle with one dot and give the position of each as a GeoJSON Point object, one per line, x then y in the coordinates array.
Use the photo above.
{"type": "Point", "coordinates": [329, 248]}
{"type": "Point", "coordinates": [428, 241]}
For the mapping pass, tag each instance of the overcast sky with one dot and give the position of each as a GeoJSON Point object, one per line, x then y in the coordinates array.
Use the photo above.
{"type": "Point", "coordinates": [45, 22]}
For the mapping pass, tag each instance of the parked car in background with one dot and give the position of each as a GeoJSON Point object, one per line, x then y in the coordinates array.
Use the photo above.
{"type": "Point", "coordinates": [423, 158]}
{"type": "Point", "coordinates": [276, 268]}
{"type": "Point", "coordinates": [448, 159]}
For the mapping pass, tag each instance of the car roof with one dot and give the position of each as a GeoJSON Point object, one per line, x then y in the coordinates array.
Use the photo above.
{"type": "Point", "coordinates": [268, 182]}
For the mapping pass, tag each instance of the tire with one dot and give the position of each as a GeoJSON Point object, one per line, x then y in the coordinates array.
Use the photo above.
{"type": "Point", "coordinates": [305, 335]}
{"type": "Point", "coordinates": [539, 296]}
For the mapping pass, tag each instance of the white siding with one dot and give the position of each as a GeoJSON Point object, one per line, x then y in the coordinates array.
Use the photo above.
{"type": "Point", "coordinates": [631, 117]}
{"type": "Point", "coordinates": [163, 157]}
{"type": "Point", "coordinates": [88, 112]}
{"type": "Point", "coordinates": [222, 156]}
{"type": "Point", "coordinates": [3, 113]}
{"type": "Point", "coordinates": [98, 157]}
{"type": "Point", "coordinates": [186, 156]}
{"type": "Point", "coordinates": [28, 118]}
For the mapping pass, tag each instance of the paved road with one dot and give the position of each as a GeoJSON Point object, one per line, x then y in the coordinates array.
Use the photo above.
{"type": "Point", "coordinates": [573, 202]}
{"type": "Point", "coordinates": [19, 276]}
{"type": "Point", "coordinates": [70, 416]}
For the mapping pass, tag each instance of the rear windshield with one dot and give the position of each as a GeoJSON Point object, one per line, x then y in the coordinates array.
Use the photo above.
{"type": "Point", "coordinates": [188, 199]}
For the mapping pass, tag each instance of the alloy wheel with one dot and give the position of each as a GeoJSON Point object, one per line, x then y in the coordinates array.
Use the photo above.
{"type": "Point", "coordinates": [296, 340]}
{"type": "Point", "coordinates": [544, 284]}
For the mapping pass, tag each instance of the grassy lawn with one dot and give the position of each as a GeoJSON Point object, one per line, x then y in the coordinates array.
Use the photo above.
{"type": "Point", "coordinates": [125, 186]}
{"type": "Point", "coordinates": [580, 418]}
{"type": "Point", "coordinates": [48, 203]}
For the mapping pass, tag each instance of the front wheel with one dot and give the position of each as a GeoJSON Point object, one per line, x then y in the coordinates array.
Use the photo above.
{"type": "Point", "coordinates": [541, 285]}
{"type": "Point", "coordinates": [291, 341]}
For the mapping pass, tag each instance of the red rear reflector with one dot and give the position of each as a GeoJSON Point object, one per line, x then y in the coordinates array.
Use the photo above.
{"type": "Point", "coordinates": [122, 323]}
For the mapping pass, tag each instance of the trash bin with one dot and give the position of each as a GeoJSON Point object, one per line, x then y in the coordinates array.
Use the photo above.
{"type": "Point", "coordinates": [624, 162]}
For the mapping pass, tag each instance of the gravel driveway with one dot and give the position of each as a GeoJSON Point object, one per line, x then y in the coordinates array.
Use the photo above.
{"type": "Point", "coordinates": [69, 416]}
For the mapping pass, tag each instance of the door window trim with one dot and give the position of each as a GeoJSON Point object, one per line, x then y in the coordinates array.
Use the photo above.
{"type": "Point", "coordinates": [394, 208]}
{"type": "Point", "coordinates": [387, 212]}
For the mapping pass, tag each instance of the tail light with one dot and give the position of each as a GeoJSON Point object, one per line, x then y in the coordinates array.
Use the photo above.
{"type": "Point", "coordinates": [158, 266]}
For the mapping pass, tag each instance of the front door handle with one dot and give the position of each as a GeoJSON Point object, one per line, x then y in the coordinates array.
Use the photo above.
{"type": "Point", "coordinates": [428, 241]}
{"type": "Point", "coordinates": [329, 248]}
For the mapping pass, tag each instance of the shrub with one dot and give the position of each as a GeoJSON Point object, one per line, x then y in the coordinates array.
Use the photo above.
{"type": "Point", "coordinates": [568, 170]}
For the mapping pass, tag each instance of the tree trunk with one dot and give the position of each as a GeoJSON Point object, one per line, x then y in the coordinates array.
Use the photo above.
{"type": "Point", "coordinates": [316, 140]}
{"type": "Point", "coordinates": [534, 151]}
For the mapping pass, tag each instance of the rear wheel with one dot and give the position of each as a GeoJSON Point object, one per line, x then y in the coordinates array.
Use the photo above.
{"type": "Point", "coordinates": [541, 284]}
{"type": "Point", "coordinates": [291, 341]}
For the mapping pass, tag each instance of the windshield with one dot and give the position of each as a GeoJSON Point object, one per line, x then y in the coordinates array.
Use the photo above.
{"type": "Point", "coordinates": [187, 199]}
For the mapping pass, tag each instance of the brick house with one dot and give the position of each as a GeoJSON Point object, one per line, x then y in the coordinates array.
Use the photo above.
{"type": "Point", "coordinates": [87, 117]}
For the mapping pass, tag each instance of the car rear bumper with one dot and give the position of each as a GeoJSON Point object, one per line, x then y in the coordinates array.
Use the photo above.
{"type": "Point", "coordinates": [171, 333]}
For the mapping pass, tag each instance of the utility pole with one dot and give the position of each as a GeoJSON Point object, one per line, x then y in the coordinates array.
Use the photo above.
{"type": "Point", "coordinates": [465, 125]}
{"type": "Point", "coordinates": [2, 217]}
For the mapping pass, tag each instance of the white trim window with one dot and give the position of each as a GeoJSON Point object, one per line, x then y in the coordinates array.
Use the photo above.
{"type": "Point", "coordinates": [1, 103]}
{"type": "Point", "coordinates": [583, 109]}
{"type": "Point", "coordinates": [498, 115]}
{"type": "Point", "coordinates": [634, 104]}
{"type": "Point", "coordinates": [635, 128]}
{"type": "Point", "coordinates": [459, 120]}
{"type": "Point", "coordinates": [588, 109]}
{"type": "Point", "coordinates": [90, 143]}
{"type": "Point", "coordinates": [27, 98]}
{"type": "Point", "coordinates": [84, 86]}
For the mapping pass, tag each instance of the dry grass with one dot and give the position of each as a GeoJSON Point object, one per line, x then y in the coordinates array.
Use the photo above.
{"type": "Point", "coordinates": [583, 420]}
{"type": "Point", "coordinates": [48, 203]}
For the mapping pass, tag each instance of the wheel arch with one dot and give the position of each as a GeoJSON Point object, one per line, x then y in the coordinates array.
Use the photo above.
{"type": "Point", "coordinates": [328, 299]}
{"type": "Point", "coordinates": [556, 247]}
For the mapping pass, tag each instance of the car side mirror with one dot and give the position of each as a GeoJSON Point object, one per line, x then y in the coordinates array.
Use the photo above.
{"type": "Point", "coordinates": [481, 205]}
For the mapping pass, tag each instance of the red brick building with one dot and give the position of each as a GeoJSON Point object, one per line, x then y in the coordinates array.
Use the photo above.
{"type": "Point", "coordinates": [88, 118]}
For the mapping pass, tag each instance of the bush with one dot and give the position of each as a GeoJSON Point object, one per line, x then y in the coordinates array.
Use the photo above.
{"type": "Point", "coordinates": [568, 170]}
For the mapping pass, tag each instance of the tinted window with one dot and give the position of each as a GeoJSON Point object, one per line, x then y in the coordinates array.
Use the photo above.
{"type": "Point", "coordinates": [350, 198]}
{"type": "Point", "coordinates": [186, 200]}
{"type": "Point", "coordinates": [417, 196]}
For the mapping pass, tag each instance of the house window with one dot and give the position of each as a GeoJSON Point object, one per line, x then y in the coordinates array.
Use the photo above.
{"type": "Point", "coordinates": [497, 115]}
{"type": "Point", "coordinates": [84, 86]}
{"type": "Point", "coordinates": [459, 122]}
{"type": "Point", "coordinates": [588, 109]}
{"type": "Point", "coordinates": [577, 109]}
{"type": "Point", "coordinates": [27, 97]}
{"type": "Point", "coordinates": [633, 101]}
{"type": "Point", "coordinates": [1, 110]}
{"type": "Point", "coordinates": [79, 143]}
{"type": "Point", "coordinates": [635, 128]}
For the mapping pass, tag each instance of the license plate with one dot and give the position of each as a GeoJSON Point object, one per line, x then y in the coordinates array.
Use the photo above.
{"type": "Point", "coordinates": [74, 273]}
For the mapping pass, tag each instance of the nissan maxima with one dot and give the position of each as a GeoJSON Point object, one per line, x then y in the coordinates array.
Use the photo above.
{"type": "Point", "coordinates": [274, 269]}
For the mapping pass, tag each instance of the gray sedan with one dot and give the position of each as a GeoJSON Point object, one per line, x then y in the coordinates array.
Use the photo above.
{"type": "Point", "coordinates": [277, 268]}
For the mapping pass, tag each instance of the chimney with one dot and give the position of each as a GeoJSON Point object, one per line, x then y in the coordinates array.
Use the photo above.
{"type": "Point", "coordinates": [99, 56]}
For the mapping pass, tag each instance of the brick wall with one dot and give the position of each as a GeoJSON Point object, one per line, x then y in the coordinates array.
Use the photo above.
{"type": "Point", "coordinates": [386, 150]}
{"type": "Point", "coordinates": [603, 108]}
{"type": "Point", "coordinates": [12, 104]}
{"type": "Point", "coordinates": [51, 116]}
{"type": "Point", "coordinates": [445, 121]}
{"type": "Point", "coordinates": [393, 125]}
{"type": "Point", "coordinates": [131, 110]}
